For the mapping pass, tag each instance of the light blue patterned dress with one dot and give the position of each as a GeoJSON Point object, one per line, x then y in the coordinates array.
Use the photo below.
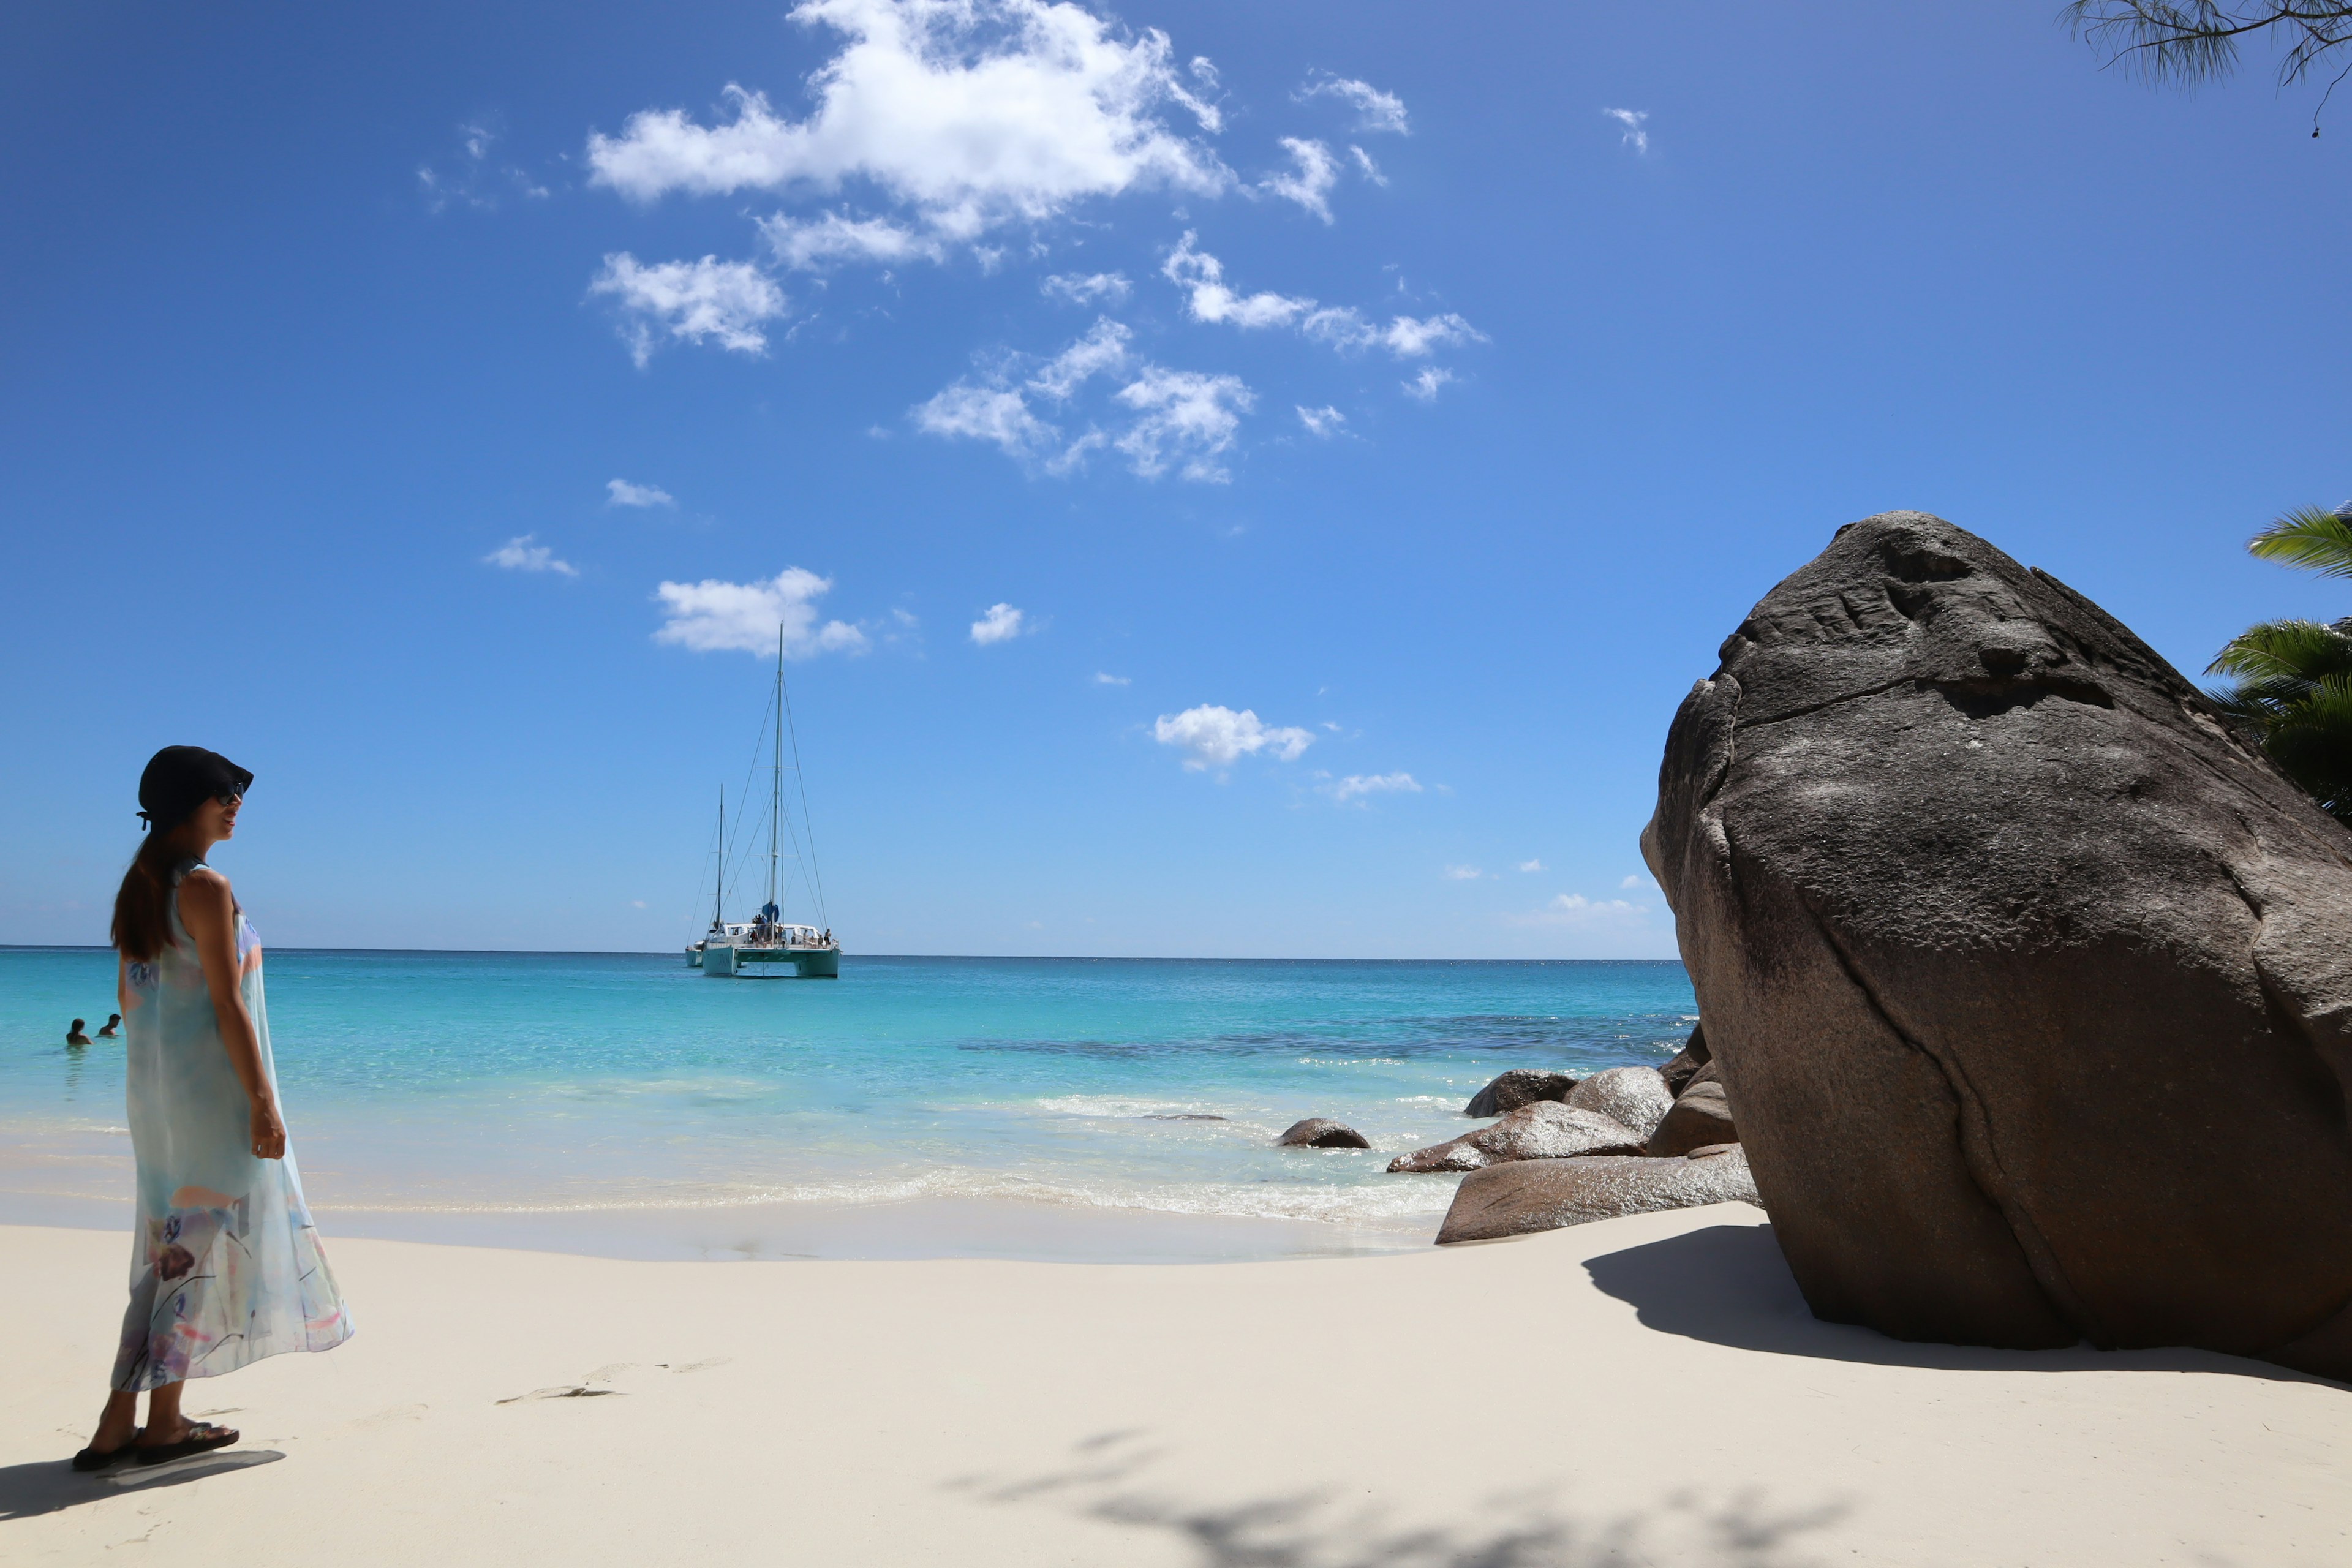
{"type": "Point", "coordinates": [226, 1265]}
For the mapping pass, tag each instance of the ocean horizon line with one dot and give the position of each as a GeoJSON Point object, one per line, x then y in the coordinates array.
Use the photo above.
{"type": "Point", "coordinates": [928, 957]}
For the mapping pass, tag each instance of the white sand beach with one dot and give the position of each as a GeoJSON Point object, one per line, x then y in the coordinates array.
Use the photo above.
{"type": "Point", "coordinates": [1647, 1390]}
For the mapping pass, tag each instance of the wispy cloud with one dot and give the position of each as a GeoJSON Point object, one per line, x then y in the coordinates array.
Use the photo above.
{"type": "Point", "coordinates": [1637, 880]}
{"type": "Point", "coordinates": [621, 492]}
{"type": "Point", "coordinates": [967, 116]}
{"type": "Point", "coordinates": [1326, 421]}
{"type": "Point", "coordinates": [476, 179]}
{"type": "Point", "coordinates": [1463, 873]}
{"type": "Point", "coordinates": [1574, 910]}
{"type": "Point", "coordinates": [723, 301]}
{"type": "Point", "coordinates": [1103, 680]}
{"type": "Point", "coordinates": [1532, 864]}
{"type": "Point", "coordinates": [521, 555]}
{"type": "Point", "coordinates": [1375, 110]}
{"type": "Point", "coordinates": [812, 244]}
{"type": "Point", "coordinates": [1001, 624]}
{"type": "Point", "coordinates": [747, 617]}
{"type": "Point", "coordinates": [1212, 736]}
{"type": "Point", "coordinates": [1365, 167]}
{"type": "Point", "coordinates": [1632, 120]}
{"type": "Point", "coordinates": [1184, 420]}
{"type": "Point", "coordinates": [1308, 180]}
{"type": "Point", "coordinates": [1424, 387]}
{"type": "Point", "coordinates": [1357, 785]}
{"type": "Point", "coordinates": [1090, 288]}
{"type": "Point", "coordinates": [1208, 298]}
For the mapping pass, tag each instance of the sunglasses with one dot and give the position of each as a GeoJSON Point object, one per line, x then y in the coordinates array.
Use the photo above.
{"type": "Point", "coordinates": [228, 797]}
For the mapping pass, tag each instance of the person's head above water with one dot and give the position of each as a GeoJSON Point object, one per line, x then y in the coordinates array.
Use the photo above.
{"type": "Point", "coordinates": [78, 1024]}
{"type": "Point", "coordinates": [189, 798]}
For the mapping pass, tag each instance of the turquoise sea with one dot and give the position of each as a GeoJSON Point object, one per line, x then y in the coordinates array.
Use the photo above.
{"type": "Point", "coordinates": [1049, 1107]}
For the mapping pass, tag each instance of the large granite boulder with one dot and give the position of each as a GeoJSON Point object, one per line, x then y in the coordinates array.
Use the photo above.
{"type": "Point", "coordinates": [1546, 1194]}
{"type": "Point", "coordinates": [1701, 1116]}
{"type": "Point", "coordinates": [1544, 1130]}
{"type": "Point", "coordinates": [2032, 981]}
{"type": "Point", "coordinates": [1521, 1086]}
{"type": "Point", "coordinates": [1637, 1097]}
{"type": "Point", "coordinates": [1322, 1132]}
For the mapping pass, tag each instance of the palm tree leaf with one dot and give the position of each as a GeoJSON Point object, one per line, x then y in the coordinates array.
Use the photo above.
{"type": "Point", "coordinates": [2307, 537]}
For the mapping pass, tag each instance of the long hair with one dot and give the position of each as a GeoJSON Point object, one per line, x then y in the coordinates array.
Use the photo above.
{"type": "Point", "coordinates": [142, 907]}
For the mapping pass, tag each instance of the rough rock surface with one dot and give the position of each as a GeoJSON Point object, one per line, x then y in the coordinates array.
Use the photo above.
{"type": "Point", "coordinates": [1544, 1130]}
{"type": "Point", "coordinates": [2030, 981]}
{"type": "Point", "coordinates": [1521, 1086]}
{"type": "Point", "coordinates": [1637, 1097]}
{"type": "Point", "coordinates": [1546, 1194]}
{"type": "Point", "coordinates": [1322, 1132]}
{"type": "Point", "coordinates": [1701, 1117]}
{"type": "Point", "coordinates": [1687, 1061]}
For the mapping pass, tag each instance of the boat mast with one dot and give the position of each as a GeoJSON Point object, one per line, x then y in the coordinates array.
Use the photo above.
{"type": "Point", "coordinates": [776, 782]}
{"type": "Point", "coordinates": [718, 893]}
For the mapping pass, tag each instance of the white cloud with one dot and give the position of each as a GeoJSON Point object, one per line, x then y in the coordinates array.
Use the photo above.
{"type": "Point", "coordinates": [1630, 119]}
{"type": "Point", "coordinates": [725, 301]}
{"type": "Point", "coordinates": [1576, 910]}
{"type": "Point", "coordinates": [1002, 623]}
{"type": "Point", "coordinates": [971, 114]}
{"type": "Point", "coordinates": [1310, 181]}
{"type": "Point", "coordinates": [712, 615]}
{"type": "Point", "coordinates": [1208, 298]}
{"type": "Point", "coordinates": [1531, 866]}
{"type": "Point", "coordinates": [1324, 421]}
{"type": "Point", "coordinates": [1202, 276]}
{"type": "Point", "coordinates": [477, 182]}
{"type": "Point", "coordinates": [1092, 289]}
{"type": "Point", "coordinates": [1375, 110]}
{"type": "Point", "coordinates": [1103, 680]}
{"type": "Point", "coordinates": [1463, 873]}
{"type": "Point", "coordinates": [1636, 880]}
{"type": "Point", "coordinates": [1102, 351]}
{"type": "Point", "coordinates": [1365, 167]}
{"type": "Point", "coordinates": [1411, 337]}
{"type": "Point", "coordinates": [812, 244]}
{"type": "Point", "coordinates": [1215, 737]}
{"type": "Point", "coordinates": [994, 414]}
{"type": "Point", "coordinates": [1424, 386]}
{"type": "Point", "coordinates": [1355, 785]}
{"type": "Point", "coordinates": [622, 493]}
{"type": "Point", "coordinates": [1183, 417]}
{"type": "Point", "coordinates": [519, 554]}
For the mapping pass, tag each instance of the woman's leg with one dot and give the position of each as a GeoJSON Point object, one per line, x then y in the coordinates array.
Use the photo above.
{"type": "Point", "coordinates": [164, 1422]}
{"type": "Point", "coordinates": [118, 1422]}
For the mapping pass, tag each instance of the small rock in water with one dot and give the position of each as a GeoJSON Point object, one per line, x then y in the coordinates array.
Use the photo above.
{"type": "Point", "coordinates": [1548, 1195]}
{"type": "Point", "coordinates": [1680, 1072]}
{"type": "Point", "coordinates": [1544, 1130]}
{"type": "Point", "coordinates": [1518, 1087]}
{"type": "Point", "coordinates": [1636, 1096]}
{"type": "Point", "coordinates": [1322, 1132]}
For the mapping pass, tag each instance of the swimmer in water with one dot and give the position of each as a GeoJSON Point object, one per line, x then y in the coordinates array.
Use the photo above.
{"type": "Point", "coordinates": [113, 1027]}
{"type": "Point", "coordinates": [74, 1036]}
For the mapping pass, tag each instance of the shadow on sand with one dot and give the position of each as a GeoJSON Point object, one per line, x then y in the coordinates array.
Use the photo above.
{"type": "Point", "coordinates": [1108, 1480]}
{"type": "Point", "coordinates": [26, 1491]}
{"type": "Point", "coordinates": [1729, 1285]}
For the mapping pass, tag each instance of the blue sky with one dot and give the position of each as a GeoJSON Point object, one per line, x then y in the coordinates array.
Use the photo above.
{"type": "Point", "coordinates": [1377, 415]}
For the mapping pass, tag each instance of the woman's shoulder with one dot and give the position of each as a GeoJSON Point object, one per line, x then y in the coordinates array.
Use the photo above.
{"type": "Point", "coordinates": [205, 887]}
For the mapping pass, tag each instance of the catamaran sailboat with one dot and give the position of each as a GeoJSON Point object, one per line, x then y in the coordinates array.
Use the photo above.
{"type": "Point", "coordinates": [740, 947]}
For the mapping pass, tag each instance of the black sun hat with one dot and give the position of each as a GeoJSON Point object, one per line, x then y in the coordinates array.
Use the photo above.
{"type": "Point", "coordinates": [181, 778]}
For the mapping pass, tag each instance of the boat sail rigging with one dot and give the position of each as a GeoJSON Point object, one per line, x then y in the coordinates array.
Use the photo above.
{"type": "Point", "coordinates": [735, 947]}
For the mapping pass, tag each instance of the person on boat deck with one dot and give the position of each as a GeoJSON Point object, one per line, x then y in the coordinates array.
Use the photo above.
{"type": "Point", "coordinates": [113, 1027]}
{"type": "Point", "coordinates": [226, 1265]}
{"type": "Point", "coordinates": [74, 1036]}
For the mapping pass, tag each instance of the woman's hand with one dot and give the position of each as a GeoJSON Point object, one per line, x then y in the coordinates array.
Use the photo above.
{"type": "Point", "coordinates": [268, 1131]}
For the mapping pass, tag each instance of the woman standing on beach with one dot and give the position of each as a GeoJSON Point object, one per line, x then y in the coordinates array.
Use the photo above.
{"type": "Point", "coordinates": [225, 1267]}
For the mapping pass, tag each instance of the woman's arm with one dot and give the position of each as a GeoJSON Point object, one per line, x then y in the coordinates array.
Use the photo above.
{"type": "Point", "coordinates": [209, 912]}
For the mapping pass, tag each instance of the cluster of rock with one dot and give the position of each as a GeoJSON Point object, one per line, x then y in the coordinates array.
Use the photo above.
{"type": "Point", "coordinates": [2029, 978]}
{"type": "Point", "coordinates": [1562, 1151]}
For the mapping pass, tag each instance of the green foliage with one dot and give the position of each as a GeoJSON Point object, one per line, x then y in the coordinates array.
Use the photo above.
{"type": "Point", "coordinates": [2294, 679]}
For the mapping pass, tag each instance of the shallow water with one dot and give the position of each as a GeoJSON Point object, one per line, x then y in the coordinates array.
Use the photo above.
{"type": "Point", "coordinates": [437, 1092]}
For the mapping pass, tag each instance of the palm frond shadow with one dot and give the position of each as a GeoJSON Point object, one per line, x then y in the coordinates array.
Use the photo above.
{"type": "Point", "coordinates": [1109, 1481]}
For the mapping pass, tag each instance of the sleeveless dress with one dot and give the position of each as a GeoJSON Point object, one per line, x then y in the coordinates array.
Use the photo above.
{"type": "Point", "coordinates": [226, 1265]}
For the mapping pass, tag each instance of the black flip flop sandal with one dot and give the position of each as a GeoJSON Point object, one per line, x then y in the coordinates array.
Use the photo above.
{"type": "Point", "coordinates": [202, 1438]}
{"type": "Point", "coordinates": [90, 1459]}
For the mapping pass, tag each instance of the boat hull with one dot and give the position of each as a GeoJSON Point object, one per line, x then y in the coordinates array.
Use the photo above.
{"type": "Point", "coordinates": [727, 962]}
